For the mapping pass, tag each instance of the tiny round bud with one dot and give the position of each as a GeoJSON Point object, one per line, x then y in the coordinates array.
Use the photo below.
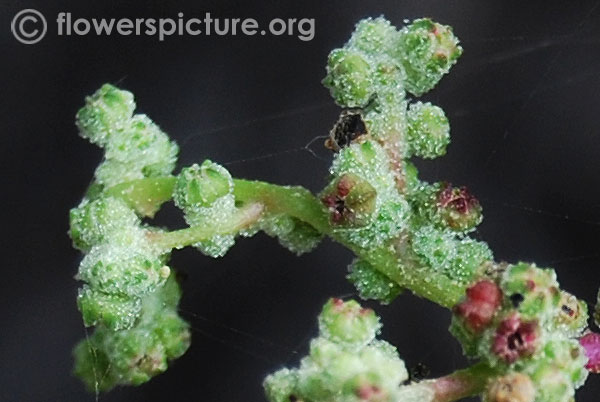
{"type": "Point", "coordinates": [94, 222]}
{"type": "Point", "coordinates": [301, 239]}
{"type": "Point", "coordinates": [281, 385]}
{"type": "Point", "coordinates": [121, 270]}
{"type": "Point", "coordinates": [572, 315]}
{"type": "Point", "coordinates": [173, 333]}
{"type": "Point", "coordinates": [90, 360]}
{"type": "Point", "coordinates": [200, 186]}
{"type": "Point", "coordinates": [347, 323]}
{"type": "Point", "coordinates": [427, 50]}
{"type": "Point", "coordinates": [142, 143]}
{"type": "Point", "coordinates": [444, 251]}
{"type": "Point", "coordinates": [538, 289]}
{"type": "Point", "coordinates": [349, 78]}
{"type": "Point", "coordinates": [513, 387]}
{"type": "Point", "coordinates": [205, 193]}
{"type": "Point", "coordinates": [374, 35]}
{"type": "Point", "coordinates": [457, 208]}
{"type": "Point", "coordinates": [371, 284]}
{"type": "Point", "coordinates": [135, 356]}
{"type": "Point", "coordinates": [350, 201]}
{"type": "Point", "coordinates": [428, 130]}
{"type": "Point", "coordinates": [113, 311]}
{"type": "Point", "coordinates": [105, 111]}
{"type": "Point", "coordinates": [482, 301]}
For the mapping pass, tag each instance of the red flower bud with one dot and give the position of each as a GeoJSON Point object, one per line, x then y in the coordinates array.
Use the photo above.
{"type": "Point", "coordinates": [459, 208]}
{"type": "Point", "coordinates": [591, 344]}
{"type": "Point", "coordinates": [515, 338]}
{"type": "Point", "coordinates": [483, 299]}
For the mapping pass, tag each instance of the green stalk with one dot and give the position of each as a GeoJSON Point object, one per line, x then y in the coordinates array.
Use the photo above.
{"type": "Point", "coordinates": [241, 219]}
{"type": "Point", "coordinates": [146, 196]}
{"type": "Point", "coordinates": [458, 385]}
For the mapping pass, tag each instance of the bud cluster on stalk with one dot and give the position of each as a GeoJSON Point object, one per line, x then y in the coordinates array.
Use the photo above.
{"type": "Point", "coordinates": [521, 323]}
{"type": "Point", "coordinates": [375, 196]}
{"type": "Point", "coordinates": [407, 233]}
{"type": "Point", "coordinates": [346, 362]}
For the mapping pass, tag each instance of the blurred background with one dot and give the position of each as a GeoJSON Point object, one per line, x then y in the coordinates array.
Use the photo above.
{"type": "Point", "coordinates": [523, 104]}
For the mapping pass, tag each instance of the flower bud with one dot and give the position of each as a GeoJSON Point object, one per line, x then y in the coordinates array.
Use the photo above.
{"type": "Point", "coordinates": [350, 201]}
{"type": "Point", "coordinates": [347, 323]}
{"type": "Point", "coordinates": [281, 385]}
{"type": "Point", "coordinates": [121, 270]}
{"type": "Point", "coordinates": [515, 338]}
{"type": "Point", "coordinates": [374, 36]}
{"type": "Point", "coordinates": [512, 387]}
{"type": "Point", "coordinates": [457, 208]}
{"type": "Point", "coordinates": [90, 360]}
{"type": "Point", "coordinates": [482, 301]}
{"type": "Point", "coordinates": [533, 291]}
{"type": "Point", "coordinates": [205, 193]}
{"type": "Point", "coordinates": [372, 284]}
{"type": "Point", "coordinates": [591, 345]}
{"type": "Point", "coordinates": [557, 370]}
{"type": "Point", "coordinates": [427, 50]}
{"type": "Point", "coordinates": [200, 186]}
{"type": "Point", "coordinates": [572, 315]}
{"type": "Point", "coordinates": [143, 143]}
{"type": "Point", "coordinates": [94, 222]}
{"type": "Point", "coordinates": [115, 312]}
{"type": "Point", "coordinates": [105, 111]}
{"type": "Point", "coordinates": [428, 130]}
{"type": "Point", "coordinates": [349, 77]}
{"type": "Point", "coordinates": [445, 252]}
{"type": "Point", "coordinates": [172, 332]}
{"type": "Point", "coordinates": [133, 356]}
{"type": "Point", "coordinates": [301, 238]}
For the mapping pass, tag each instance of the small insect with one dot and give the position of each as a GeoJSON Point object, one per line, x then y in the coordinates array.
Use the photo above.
{"type": "Point", "coordinates": [419, 372]}
{"type": "Point", "coordinates": [517, 299]}
{"type": "Point", "coordinates": [348, 128]}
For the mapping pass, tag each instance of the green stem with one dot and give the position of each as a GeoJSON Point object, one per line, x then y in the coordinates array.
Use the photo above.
{"type": "Point", "coordinates": [146, 196]}
{"type": "Point", "coordinates": [458, 385]}
{"type": "Point", "coordinates": [241, 219]}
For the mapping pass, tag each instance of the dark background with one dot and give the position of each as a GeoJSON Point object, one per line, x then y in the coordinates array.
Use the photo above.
{"type": "Point", "coordinates": [523, 103]}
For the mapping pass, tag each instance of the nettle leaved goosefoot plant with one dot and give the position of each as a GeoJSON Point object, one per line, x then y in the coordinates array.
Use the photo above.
{"type": "Point", "coordinates": [528, 338]}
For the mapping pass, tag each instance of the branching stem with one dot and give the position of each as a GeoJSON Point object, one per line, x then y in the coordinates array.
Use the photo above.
{"type": "Point", "coordinates": [146, 196]}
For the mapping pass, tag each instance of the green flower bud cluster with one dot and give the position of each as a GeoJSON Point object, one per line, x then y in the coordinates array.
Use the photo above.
{"type": "Point", "coordinates": [135, 147]}
{"type": "Point", "coordinates": [133, 356]}
{"type": "Point", "coordinates": [120, 265]}
{"type": "Point", "coordinates": [345, 364]}
{"type": "Point", "coordinates": [129, 293]}
{"type": "Point", "coordinates": [523, 323]}
{"type": "Point", "coordinates": [442, 250]}
{"type": "Point", "coordinates": [375, 68]}
{"type": "Point", "coordinates": [205, 194]}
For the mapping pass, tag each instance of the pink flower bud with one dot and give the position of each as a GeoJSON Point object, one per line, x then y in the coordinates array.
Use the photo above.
{"type": "Point", "coordinates": [591, 344]}
{"type": "Point", "coordinates": [459, 208]}
{"type": "Point", "coordinates": [483, 299]}
{"type": "Point", "coordinates": [515, 338]}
